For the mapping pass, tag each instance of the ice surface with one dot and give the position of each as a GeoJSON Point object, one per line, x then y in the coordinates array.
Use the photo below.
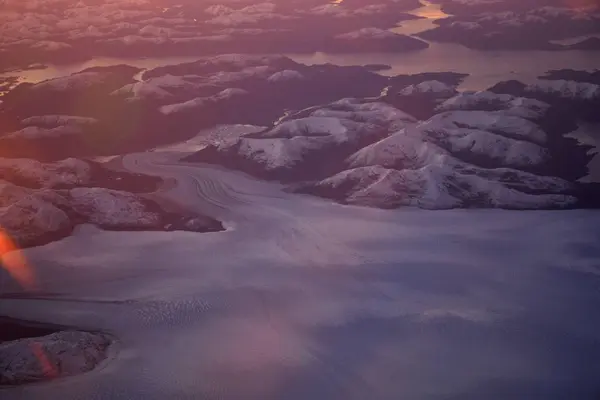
{"type": "Point", "coordinates": [304, 299]}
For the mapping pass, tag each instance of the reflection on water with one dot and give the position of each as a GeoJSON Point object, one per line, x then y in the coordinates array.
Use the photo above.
{"type": "Point", "coordinates": [56, 70]}
{"type": "Point", "coordinates": [429, 12]}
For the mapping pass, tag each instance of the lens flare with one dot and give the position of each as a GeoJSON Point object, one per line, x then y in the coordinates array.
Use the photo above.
{"type": "Point", "coordinates": [48, 369]}
{"type": "Point", "coordinates": [13, 261]}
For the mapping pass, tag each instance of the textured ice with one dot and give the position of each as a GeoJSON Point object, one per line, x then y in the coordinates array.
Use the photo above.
{"type": "Point", "coordinates": [303, 298]}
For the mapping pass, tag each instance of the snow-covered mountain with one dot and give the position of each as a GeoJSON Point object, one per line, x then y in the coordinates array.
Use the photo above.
{"type": "Point", "coordinates": [311, 144]}
{"type": "Point", "coordinates": [439, 187]}
{"type": "Point", "coordinates": [575, 93]}
{"type": "Point", "coordinates": [478, 149]}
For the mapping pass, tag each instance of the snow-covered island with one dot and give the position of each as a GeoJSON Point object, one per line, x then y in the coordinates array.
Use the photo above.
{"type": "Point", "coordinates": [59, 354]}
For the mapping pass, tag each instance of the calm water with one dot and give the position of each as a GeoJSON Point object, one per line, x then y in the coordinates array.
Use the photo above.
{"type": "Point", "coordinates": [429, 12]}
{"type": "Point", "coordinates": [485, 68]}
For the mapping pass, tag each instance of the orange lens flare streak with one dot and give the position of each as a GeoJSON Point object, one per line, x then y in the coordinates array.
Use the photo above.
{"type": "Point", "coordinates": [13, 261]}
{"type": "Point", "coordinates": [48, 369]}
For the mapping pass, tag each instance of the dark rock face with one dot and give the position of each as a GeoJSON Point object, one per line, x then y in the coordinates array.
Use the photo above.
{"type": "Point", "coordinates": [573, 75]}
{"type": "Point", "coordinates": [79, 91]}
{"type": "Point", "coordinates": [101, 176]}
{"type": "Point", "coordinates": [512, 87]}
{"type": "Point", "coordinates": [11, 329]}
